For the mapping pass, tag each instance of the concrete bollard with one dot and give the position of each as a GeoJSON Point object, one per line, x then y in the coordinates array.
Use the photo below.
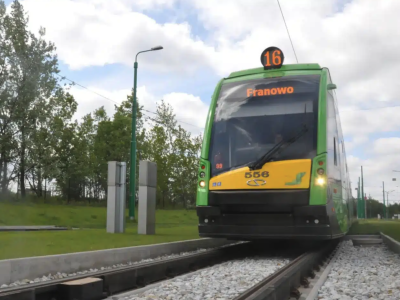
{"type": "Point", "coordinates": [147, 197]}
{"type": "Point", "coordinates": [116, 193]}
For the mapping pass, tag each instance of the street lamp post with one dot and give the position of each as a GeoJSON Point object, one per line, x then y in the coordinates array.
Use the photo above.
{"type": "Point", "coordinates": [362, 194]}
{"type": "Point", "coordinates": [132, 183]}
{"type": "Point", "coordinates": [384, 204]}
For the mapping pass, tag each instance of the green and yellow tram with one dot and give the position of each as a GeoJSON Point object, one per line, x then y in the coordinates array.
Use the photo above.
{"type": "Point", "coordinates": [273, 161]}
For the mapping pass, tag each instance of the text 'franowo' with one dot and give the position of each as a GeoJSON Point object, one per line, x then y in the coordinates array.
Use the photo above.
{"type": "Point", "coordinates": [267, 92]}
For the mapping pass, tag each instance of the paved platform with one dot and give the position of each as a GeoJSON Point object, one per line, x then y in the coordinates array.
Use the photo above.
{"type": "Point", "coordinates": [31, 228]}
{"type": "Point", "coordinates": [367, 242]}
{"type": "Point", "coordinates": [391, 243]}
{"type": "Point", "coordinates": [373, 239]}
{"type": "Point", "coordinates": [361, 236]}
{"type": "Point", "coordinates": [364, 240]}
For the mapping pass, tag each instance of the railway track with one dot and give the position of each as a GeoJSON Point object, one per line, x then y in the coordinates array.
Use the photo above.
{"type": "Point", "coordinates": [279, 285]}
{"type": "Point", "coordinates": [105, 283]}
{"type": "Point", "coordinates": [283, 284]}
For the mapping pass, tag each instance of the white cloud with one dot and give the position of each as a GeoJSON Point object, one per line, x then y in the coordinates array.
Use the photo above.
{"type": "Point", "coordinates": [387, 146]}
{"type": "Point", "coordinates": [376, 170]}
{"type": "Point", "coordinates": [364, 122]}
{"type": "Point", "coordinates": [356, 141]}
{"type": "Point", "coordinates": [88, 101]}
{"type": "Point", "coordinates": [232, 20]}
{"type": "Point", "coordinates": [359, 45]}
{"type": "Point", "coordinates": [152, 4]}
{"type": "Point", "coordinates": [189, 110]}
{"type": "Point", "coordinates": [88, 33]}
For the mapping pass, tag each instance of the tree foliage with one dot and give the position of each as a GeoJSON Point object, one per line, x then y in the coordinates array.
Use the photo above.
{"type": "Point", "coordinates": [375, 207]}
{"type": "Point", "coordinates": [32, 102]}
{"type": "Point", "coordinates": [40, 143]}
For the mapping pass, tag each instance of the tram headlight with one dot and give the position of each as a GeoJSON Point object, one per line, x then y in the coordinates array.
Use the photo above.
{"type": "Point", "coordinates": [320, 180]}
{"type": "Point", "coordinates": [202, 183]}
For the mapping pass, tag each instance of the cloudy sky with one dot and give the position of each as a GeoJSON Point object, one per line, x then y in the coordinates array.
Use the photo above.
{"type": "Point", "coordinates": [205, 40]}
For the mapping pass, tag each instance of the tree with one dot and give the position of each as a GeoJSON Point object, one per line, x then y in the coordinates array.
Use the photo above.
{"type": "Point", "coordinates": [33, 97]}
{"type": "Point", "coordinates": [112, 140]}
{"type": "Point", "coordinates": [7, 102]}
{"type": "Point", "coordinates": [176, 154]}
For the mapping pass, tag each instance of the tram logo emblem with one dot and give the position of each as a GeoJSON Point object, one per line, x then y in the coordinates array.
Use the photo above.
{"type": "Point", "coordinates": [256, 182]}
{"type": "Point", "coordinates": [298, 180]}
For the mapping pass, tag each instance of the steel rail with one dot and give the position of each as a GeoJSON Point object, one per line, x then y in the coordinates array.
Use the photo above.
{"type": "Point", "coordinates": [283, 283]}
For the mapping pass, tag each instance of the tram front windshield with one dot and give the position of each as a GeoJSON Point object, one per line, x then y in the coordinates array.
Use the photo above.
{"type": "Point", "coordinates": [252, 116]}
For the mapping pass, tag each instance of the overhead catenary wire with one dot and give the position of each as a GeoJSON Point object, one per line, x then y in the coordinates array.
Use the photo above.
{"type": "Point", "coordinates": [287, 29]}
{"type": "Point", "coordinates": [80, 85]}
{"type": "Point", "coordinates": [146, 110]}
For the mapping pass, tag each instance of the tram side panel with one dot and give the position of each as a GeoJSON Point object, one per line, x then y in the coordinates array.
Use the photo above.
{"type": "Point", "coordinates": [336, 204]}
{"type": "Point", "coordinates": [345, 218]}
{"type": "Point", "coordinates": [345, 180]}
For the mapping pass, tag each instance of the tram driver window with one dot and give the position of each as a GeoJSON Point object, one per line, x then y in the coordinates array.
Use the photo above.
{"type": "Point", "coordinates": [220, 146]}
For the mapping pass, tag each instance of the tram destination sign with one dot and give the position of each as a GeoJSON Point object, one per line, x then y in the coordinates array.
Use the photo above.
{"type": "Point", "coordinates": [272, 58]}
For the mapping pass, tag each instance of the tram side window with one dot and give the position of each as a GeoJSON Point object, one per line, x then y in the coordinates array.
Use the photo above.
{"type": "Point", "coordinates": [333, 133]}
{"type": "Point", "coordinates": [334, 151]}
{"type": "Point", "coordinates": [220, 146]}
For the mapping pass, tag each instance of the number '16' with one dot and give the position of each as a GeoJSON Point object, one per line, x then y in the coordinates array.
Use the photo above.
{"type": "Point", "coordinates": [276, 59]}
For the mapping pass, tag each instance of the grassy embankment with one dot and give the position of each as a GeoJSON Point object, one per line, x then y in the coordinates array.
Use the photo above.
{"type": "Point", "coordinates": [171, 225]}
{"type": "Point", "coordinates": [374, 226]}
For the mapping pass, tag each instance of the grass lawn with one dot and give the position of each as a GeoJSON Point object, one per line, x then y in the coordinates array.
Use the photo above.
{"type": "Point", "coordinates": [374, 226]}
{"type": "Point", "coordinates": [171, 225]}
{"type": "Point", "coordinates": [80, 216]}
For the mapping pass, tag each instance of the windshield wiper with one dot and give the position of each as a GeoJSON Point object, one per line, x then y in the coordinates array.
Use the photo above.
{"type": "Point", "coordinates": [276, 149]}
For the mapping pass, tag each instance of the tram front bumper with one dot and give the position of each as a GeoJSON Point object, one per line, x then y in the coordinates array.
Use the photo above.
{"type": "Point", "coordinates": [304, 223]}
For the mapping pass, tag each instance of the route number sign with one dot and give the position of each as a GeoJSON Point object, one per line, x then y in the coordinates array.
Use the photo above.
{"type": "Point", "coordinates": [272, 58]}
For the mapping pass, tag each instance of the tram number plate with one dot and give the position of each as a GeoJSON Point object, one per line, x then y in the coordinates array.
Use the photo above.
{"type": "Point", "coordinates": [256, 174]}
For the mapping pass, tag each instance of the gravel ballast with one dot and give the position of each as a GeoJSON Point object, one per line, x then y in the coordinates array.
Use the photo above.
{"type": "Point", "coordinates": [93, 271]}
{"type": "Point", "coordinates": [360, 273]}
{"type": "Point", "coordinates": [223, 281]}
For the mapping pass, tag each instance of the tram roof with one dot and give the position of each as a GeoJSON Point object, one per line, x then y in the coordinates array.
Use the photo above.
{"type": "Point", "coordinates": [291, 67]}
